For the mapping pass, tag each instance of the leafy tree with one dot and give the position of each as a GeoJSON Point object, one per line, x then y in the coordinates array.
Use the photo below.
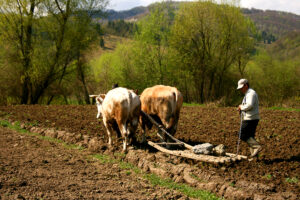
{"type": "Point", "coordinates": [44, 38]}
{"type": "Point", "coordinates": [120, 28]}
{"type": "Point", "coordinates": [152, 35]}
{"type": "Point", "coordinates": [209, 39]}
{"type": "Point", "coordinates": [275, 75]}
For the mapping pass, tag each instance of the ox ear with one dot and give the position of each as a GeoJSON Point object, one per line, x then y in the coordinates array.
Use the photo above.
{"type": "Point", "coordinates": [136, 91]}
{"type": "Point", "coordinates": [102, 96]}
{"type": "Point", "coordinates": [99, 100]}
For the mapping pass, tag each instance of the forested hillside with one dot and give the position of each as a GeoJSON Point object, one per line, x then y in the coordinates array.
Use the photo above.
{"type": "Point", "coordinates": [272, 24]}
{"type": "Point", "coordinates": [202, 48]}
{"type": "Point", "coordinates": [286, 47]}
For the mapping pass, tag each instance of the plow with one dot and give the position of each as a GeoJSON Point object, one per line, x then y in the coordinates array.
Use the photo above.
{"type": "Point", "coordinates": [182, 149]}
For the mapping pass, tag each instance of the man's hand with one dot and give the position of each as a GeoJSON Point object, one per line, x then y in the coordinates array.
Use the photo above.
{"type": "Point", "coordinates": [239, 108]}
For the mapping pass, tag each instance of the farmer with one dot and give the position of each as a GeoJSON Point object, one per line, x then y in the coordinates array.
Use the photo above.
{"type": "Point", "coordinates": [250, 116]}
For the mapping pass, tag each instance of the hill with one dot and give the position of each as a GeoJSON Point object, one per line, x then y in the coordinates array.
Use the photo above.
{"type": "Point", "coordinates": [133, 13]}
{"type": "Point", "coordinates": [272, 24]}
{"type": "Point", "coordinates": [276, 22]}
{"type": "Point", "coordinates": [287, 47]}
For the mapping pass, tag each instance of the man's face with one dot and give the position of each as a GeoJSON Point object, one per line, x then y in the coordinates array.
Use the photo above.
{"type": "Point", "coordinates": [244, 88]}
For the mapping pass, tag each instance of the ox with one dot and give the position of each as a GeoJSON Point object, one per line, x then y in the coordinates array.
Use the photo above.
{"type": "Point", "coordinates": [122, 107]}
{"type": "Point", "coordinates": [163, 103]}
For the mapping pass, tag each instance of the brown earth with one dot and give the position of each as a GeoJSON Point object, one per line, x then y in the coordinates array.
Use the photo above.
{"type": "Point", "coordinates": [31, 168]}
{"type": "Point", "coordinates": [276, 169]}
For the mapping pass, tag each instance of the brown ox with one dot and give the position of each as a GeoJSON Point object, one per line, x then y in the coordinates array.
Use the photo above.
{"type": "Point", "coordinates": [163, 103]}
{"type": "Point", "coordinates": [122, 107]}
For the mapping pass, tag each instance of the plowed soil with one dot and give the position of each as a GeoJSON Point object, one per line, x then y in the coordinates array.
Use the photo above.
{"type": "Point", "coordinates": [278, 165]}
{"type": "Point", "coordinates": [32, 168]}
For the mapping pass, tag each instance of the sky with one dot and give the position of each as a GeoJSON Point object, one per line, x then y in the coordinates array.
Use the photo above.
{"type": "Point", "coordinates": [292, 6]}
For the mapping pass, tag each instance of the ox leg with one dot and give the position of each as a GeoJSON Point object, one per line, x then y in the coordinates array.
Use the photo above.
{"type": "Point", "coordinates": [144, 140]}
{"type": "Point", "coordinates": [109, 130]}
{"type": "Point", "coordinates": [133, 126]}
{"type": "Point", "coordinates": [172, 131]}
{"type": "Point", "coordinates": [143, 125]}
{"type": "Point", "coordinates": [124, 133]}
{"type": "Point", "coordinates": [125, 142]}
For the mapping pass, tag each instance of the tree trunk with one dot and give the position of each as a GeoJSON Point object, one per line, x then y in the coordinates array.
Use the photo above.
{"type": "Point", "coordinates": [81, 76]}
{"type": "Point", "coordinates": [25, 91]}
{"type": "Point", "coordinates": [25, 39]}
{"type": "Point", "coordinates": [211, 82]}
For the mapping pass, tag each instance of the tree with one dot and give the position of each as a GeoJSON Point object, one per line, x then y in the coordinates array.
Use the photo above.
{"type": "Point", "coordinates": [152, 34]}
{"type": "Point", "coordinates": [102, 42]}
{"type": "Point", "coordinates": [209, 38]}
{"type": "Point", "coordinates": [40, 37]}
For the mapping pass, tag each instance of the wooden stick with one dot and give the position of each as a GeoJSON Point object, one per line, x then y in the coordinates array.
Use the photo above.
{"type": "Point", "coordinates": [170, 143]}
{"type": "Point", "coordinates": [239, 157]}
{"type": "Point", "coordinates": [188, 154]}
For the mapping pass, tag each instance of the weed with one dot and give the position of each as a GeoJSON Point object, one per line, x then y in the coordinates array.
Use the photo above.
{"type": "Point", "coordinates": [193, 104]}
{"type": "Point", "coordinates": [4, 123]}
{"type": "Point", "coordinates": [128, 173]}
{"type": "Point", "coordinates": [119, 156]}
{"type": "Point", "coordinates": [285, 109]}
{"type": "Point", "coordinates": [268, 176]}
{"type": "Point", "coordinates": [187, 190]}
{"type": "Point", "coordinates": [126, 165]}
{"type": "Point", "coordinates": [50, 139]}
{"type": "Point", "coordinates": [292, 180]}
{"type": "Point", "coordinates": [232, 184]}
{"type": "Point", "coordinates": [196, 178]}
{"type": "Point", "coordinates": [104, 158]}
{"type": "Point", "coordinates": [156, 165]}
{"type": "Point", "coordinates": [34, 123]}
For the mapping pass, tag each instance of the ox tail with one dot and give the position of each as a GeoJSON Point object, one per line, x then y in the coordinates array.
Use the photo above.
{"type": "Point", "coordinates": [177, 99]}
{"type": "Point", "coordinates": [175, 95]}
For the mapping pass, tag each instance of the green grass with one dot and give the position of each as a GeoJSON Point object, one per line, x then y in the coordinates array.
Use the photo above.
{"type": "Point", "coordinates": [284, 109]}
{"type": "Point", "coordinates": [184, 188]}
{"type": "Point", "coordinates": [156, 180]}
{"type": "Point", "coordinates": [34, 123]}
{"type": "Point", "coordinates": [268, 176]}
{"type": "Point", "coordinates": [292, 180]}
{"type": "Point", "coordinates": [16, 127]}
{"type": "Point", "coordinates": [197, 178]}
{"type": "Point", "coordinates": [193, 104]}
{"type": "Point", "coordinates": [104, 158]}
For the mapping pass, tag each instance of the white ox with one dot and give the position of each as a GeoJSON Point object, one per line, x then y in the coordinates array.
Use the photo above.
{"type": "Point", "coordinates": [163, 103]}
{"type": "Point", "coordinates": [120, 106]}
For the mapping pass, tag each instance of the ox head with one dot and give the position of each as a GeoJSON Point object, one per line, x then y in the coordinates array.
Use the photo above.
{"type": "Point", "coordinates": [99, 101]}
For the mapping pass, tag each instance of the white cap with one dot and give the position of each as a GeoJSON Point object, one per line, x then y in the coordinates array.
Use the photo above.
{"type": "Point", "coordinates": [241, 83]}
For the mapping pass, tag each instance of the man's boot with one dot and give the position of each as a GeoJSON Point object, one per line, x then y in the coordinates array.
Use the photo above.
{"type": "Point", "coordinates": [255, 147]}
